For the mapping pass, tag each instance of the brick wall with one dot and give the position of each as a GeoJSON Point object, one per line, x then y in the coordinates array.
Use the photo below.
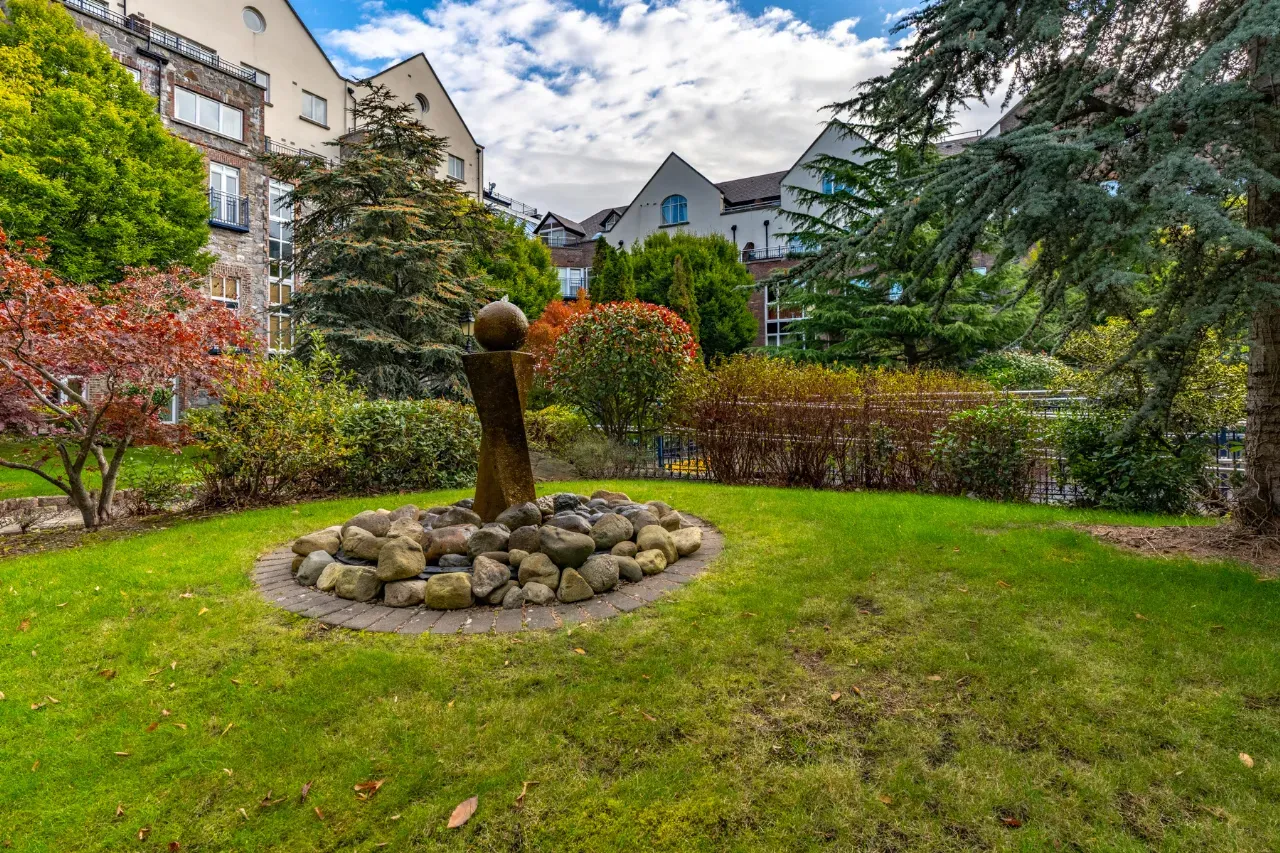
{"type": "Point", "coordinates": [760, 270]}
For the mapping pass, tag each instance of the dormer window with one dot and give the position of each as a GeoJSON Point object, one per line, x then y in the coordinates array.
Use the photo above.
{"type": "Point", "coordinates": [609, 222]}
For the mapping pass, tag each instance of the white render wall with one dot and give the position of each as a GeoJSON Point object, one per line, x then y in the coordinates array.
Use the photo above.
{"type": "Point", "coordinates": [831, 143]}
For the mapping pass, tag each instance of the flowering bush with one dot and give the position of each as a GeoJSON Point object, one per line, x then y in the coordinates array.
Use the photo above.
{"type": "Point", "coordinates": [622, 365]}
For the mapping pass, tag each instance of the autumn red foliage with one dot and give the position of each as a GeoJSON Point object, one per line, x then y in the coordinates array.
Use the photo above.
{"type": "Point", "coordinates": [544, 331]}
{"type": "Point", "coordinates": [92, 368]}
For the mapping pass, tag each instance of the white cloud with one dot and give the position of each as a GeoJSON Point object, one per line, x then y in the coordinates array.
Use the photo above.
{"type": "Point", "coordinates": [576, 109]}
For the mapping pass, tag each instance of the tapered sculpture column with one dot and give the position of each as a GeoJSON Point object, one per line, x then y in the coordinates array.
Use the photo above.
{"type": "Point", "coordinates": [500, 380]}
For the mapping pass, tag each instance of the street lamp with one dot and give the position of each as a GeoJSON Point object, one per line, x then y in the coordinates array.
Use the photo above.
{"type": "Point", "coordinates": [467, 324]}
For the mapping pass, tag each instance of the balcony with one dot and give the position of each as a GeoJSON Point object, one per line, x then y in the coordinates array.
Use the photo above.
{"type": "Point", "coordinates": [274, 147]}
{"type": "Point", "coordinates": [228, 211]}
{"type": "Point", "coordinates": [517, 207]}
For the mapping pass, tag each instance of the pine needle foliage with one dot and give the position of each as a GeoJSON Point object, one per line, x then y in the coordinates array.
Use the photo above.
{"type": "Point", "coordinates": [382, 247]}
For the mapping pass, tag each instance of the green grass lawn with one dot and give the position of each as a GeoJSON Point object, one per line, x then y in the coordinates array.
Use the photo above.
{"type": "Point", "coordinates": [991, 665]}
{"type": "Point", "coordinates": [24, 484]}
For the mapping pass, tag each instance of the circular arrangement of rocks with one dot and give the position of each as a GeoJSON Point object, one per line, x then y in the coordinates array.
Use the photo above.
{"type": "Point", "coordinates": [560, 554]}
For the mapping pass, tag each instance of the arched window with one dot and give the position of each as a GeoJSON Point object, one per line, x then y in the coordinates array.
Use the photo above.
{"type": "Point", "coordinates": [424, 106]}
{"type": "Point", "coordinates": [675, 210]}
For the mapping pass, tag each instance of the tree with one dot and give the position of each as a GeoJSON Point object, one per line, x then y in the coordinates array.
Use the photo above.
{"type": "Point", "coordinates": [543, 332]}
{"type": "Point", "coordinates": [600, 259]}
{"type": "Point", "coordinates": [97, 365]}
{"type": "Point", "coordinates": [721, 286]}
{"type": "Point", "coordinates": [385, 245]}
{"type": "Point", "coordinates": [623, 364]}
{"type": "Point", "coordinates": [520, 267]}
{"type": "Point", "coordinates": [880, 304]}
{"type": "Point", "coordinates": [1144, 176]}
{"type": "Point", "coordinates": [85, 160]}
{"type": "Point", "coordinates": [680, 295]}
{"type": "Point", "coordinates": [617, 281]}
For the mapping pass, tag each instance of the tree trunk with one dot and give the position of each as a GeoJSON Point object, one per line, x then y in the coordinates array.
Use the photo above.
{"type": "Point", "coordinates": [1259, 501]}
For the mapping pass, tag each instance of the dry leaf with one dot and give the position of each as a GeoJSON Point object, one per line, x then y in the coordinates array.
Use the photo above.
{"type": "Point", "coordinates": [227, 729]}
{"type": "Point", "coordinates": [153, 726]}
{"type": "Point", "coordinates": [64, 604]}
{"type": "Point", "coordinates": [835, 697]}
{"type": "Point", "coordinates": [173, 664]}
{"type": "Point", "coordinates": [365, 790]}
{"type": "Point", "coordinates": [123, 754]}
{"type": "Point", "coordinates": [52, 701]}
{"type": "Point", "coordinates": [36, 706]}
{"type": "Point", "coordinates": [236, 683]}
{"type": "Point", "coordinates": [174, 846]}
{"type": "Point", "coordinates": [36, 766]}
{"type": "Point", "coordinates": [524, 789]}
{"type": "Point", "coordinates": [450, 705]}
{"type": "Point", "coordinates": [182, 726]}
{"type": "Point", "coordinates": [319, 813]}
{"type": "Point", "coordinates": [580, 651]}
{"type": "Point", "coordinates": [1011, 822]}
{"type": "Point", "coordinates": [267, 802]}
{"type": "Point", "coordinates": [108, 674]}
{"type": "Point", "coordinates": [243, 813]}
{"type": "Point", "coordinates": [143, 833]}
{"type": "Point", "coordinates": [886, 799]}
{"type": "Point", "coordinates": [119, 809]}
{"type": "Point", "coordinates": [1, 695]}
{"type": "Point", "coordinates": [306, 789]}
{"type": "Point", "coordinates": [185, 595]}
{"type": "Point", "coordinates": [203, 611]}
{"type": "Point", "coordinates": [857, 690]}
{"type": "Point", "coordinates": [463, 812]}
{"type": "Point", "coordinates": [1140, 617]}
{"type": "Point", "coordinates": [164, 712]}
{"type": "Point", "coordinates": [227, 770]}
{"type": "Point", "coordinates": [935, 678]}
{"type": "Point", "coordinates": [24, 625]}
{"type": "Point", "coordinates": [1003, 585]}
{"type": "Point", "coordinates": [1246, 759]}
{"type": "Point", "coordinates": [649, 717]}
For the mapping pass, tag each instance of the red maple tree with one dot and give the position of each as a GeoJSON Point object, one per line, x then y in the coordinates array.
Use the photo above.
{"type": "Point", "coordinates": [89, 370]}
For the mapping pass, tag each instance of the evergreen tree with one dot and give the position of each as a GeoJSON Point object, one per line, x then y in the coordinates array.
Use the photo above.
{"type": "Point", "coordinates": [85, 160]}
{"type": "Point", "coordinates": [600, 262]}
{"type": "Point", "coordinates": [877, 306]}
{"type": "Point", "coordinates": [721, 286]}
{"type": "Point", "coordinates": [616, 282]}
{"type": "Point", "coordinates": [680, 295]}
{"type": "Point", "coordinates": [1144, 176]}
{"type": "Point", "coordinates": [520, 266]}
{"type": "Point", "coordinates": [384, 244]}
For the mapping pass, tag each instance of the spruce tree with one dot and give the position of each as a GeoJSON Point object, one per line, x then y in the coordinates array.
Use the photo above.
{"type": "Point", "coordinates": [383, 246]}
{"type": "Point", "coordinates": [600, 263]}
{"type": "Point", "coordinates": [680, 295]}
{"type": "Point", "coordinates": [616, 282]}
{"type": "Point", "coordinates": [1143, 177]}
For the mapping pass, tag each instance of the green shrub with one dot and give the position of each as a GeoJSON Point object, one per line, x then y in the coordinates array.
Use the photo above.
{"type": "Point", "coordinates": [597, 456]}
{"type": "Point", "coordinates": [275, 434]}
{"type": "Point", "coordinates": [988, 452]}
{"type": "Point", "coordinates": [1020, 371]}
{"type": "Point", "coordinates": [158, 488]}
{"type": "Point", "coordinates": [1137, 471]}
{"type": "Point", "coordinates": [410, 445]}
{"type": "Point", "coordinates": [554, 428]}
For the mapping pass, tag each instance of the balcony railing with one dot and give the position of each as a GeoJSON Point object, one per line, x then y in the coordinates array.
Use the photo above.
{"type": "Point", "coordinates": [274, 147]}
{"type": "Point", "coordinates": [163, 39]}
{"type": "Point", "coordinates": [228, 211]}
{"type": "Point", "coordinates": [774, 253]}
{"type": "Point", "coordinates": [511, 204]}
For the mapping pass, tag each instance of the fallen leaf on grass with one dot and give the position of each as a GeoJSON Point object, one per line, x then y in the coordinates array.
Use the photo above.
{"type": "Point", "coordinates": [306, 789]}
{"type": "Point", "coordinates": [123, 754]}
{"type": "Point", "coordinates": [153, 726]}
{"type": "Point", "coordinates": [463, 812]}
{"type": "Point", "coordinates": [174, 846]}
{"type": "Point", "coordinates": [235, 682]}
{"type": "Point", "coordinates": [1011, 822]}
{"type": "Point", "coordinates": [579, 651]}
{"type": "Point", "coordinates": [1140, 617]}
{"type": "Point", "coordinates": [886, 799]}
{"type": "Point", "coordinates": [1003, 585]}
{"type": "Point", "coordinates": [524, 789]}
{"type": "Point", "coordinates": [143, 833]}
{"type": "Point", "coordinates": [835, 697]}
{"type": "Point", "coordinates": [243, 813]}
{"type": "Point", "coordinates": [64, 604]}
{"type": "Point", "coordinates": [1, 695]}
{"type": "Point", "coordinates": [182, 726]}
{"type": "Point", "coordinates": [365, 790]}
{"type": "Point", "coordinates": [24, 626]}
{"type": "Point", "coordinates": [36, 706]}
{"type": "Point", "coordinates": [1246, 759]}
{"type": "Point", "coordinates": [119, 809]}
{"type": "Point", "coordinates": [319, 813]}
{"type": "Point", "coordinates": [186, 595]}
{"type": "Point", "coordinates": [747, 613]}
{"type": "Point", "coordinates": [108, 674]}
{"type": "Point", "coordinates": [935, 678]}
{"type": "Point", "coordinates": [52, 701]}
{"type": "Point", "coordinates": [227, 729]}
{"type": "Point", "coordinates": [173, 664]}
{"type": "Point", "coordinates": [203, 611]}
{"type": "Point", "coordinates": [36, 766]}
{"type": "Point", "coordinates": [856, 690]}
{"type": "Point", "coordinates": [649, 717]}
{"type": "Point", "coordinates": [227, 770]}
{"type": "Point", "coordinates": [164, 712]}
{"type": "Point", "coordinates": [266, 802]}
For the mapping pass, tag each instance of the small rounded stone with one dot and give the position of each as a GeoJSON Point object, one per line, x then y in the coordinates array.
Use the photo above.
{"type": "Point", "coordinates": [501, 326]}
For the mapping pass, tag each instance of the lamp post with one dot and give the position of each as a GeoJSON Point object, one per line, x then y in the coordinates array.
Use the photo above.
{"type": "Point", "coordinates": [467, 325]}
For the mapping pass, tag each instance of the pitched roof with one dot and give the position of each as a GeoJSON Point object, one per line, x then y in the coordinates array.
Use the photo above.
{"type": "Point", "coordinates": [439, 82]}
{"type": "Point", "coordinates": [594, 224]}
{"type": "Point", "coordinates": [565, 222]}
{"type": "Point", "coordinates": [755, 188]}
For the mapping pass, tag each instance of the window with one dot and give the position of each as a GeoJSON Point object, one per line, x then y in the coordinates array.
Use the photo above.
{"type": "Point", "coordinates": [554, 236]}
{"type": "Point", "coordinates": [610, 221]}
{"type": "Point", "coordinates": [572, 280]}
{"type": "Point", "coordinates": [675, 210]}
{"type": "Point", "coordinates": [778, 320]}
{"type": "Point", "coordinates": [830, 185]}
{"type": "Point", "coordinates": [262, 78]}
{"type": "Point", "coordinates": [169, 414]}
{"type": "Point", "coordinates": [749, 252]}
{"type": "Point", "coordinates": [226, 205]}
{"type": "Point", "coordinates": [280, 269]}
{"type": "Point", "coordinates": [315, 108]}
{"type": "Point", "coordinates": [76, 384]}
{"type": "Point", "coordinates": [135, 74]}
{"type": "Point", "coordinates": [457, 168]}
{"type": "Point", "coordinates": [208, 113]}
{"type": "Point", "coordinates": [253, 19]}
{"type": "Point", "coordinates": [225, 290]}
{"type": "Point", "coordinates": [424, 106]}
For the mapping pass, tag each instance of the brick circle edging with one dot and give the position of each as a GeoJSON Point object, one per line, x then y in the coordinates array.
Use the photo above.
{"type": "Point", "coordinates": [274, 579]}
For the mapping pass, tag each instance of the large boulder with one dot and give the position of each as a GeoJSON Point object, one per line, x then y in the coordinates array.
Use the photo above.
{"type": "Point", "coordinates": [606, 495]}
{"type": "Point", "coordinates": [328, 540]}
{"type": "Point", "coordinates": [503, 557]}
{"type": "Point", "coordinates": [546, 505]}
{"type": "Point", "coordinates": [570, 521]}
{"type": "Point", "coordinates": [651, 562]}
{"type": "Point", "coordinates": [455, 561]}
{"type": "Point", "coordinates": [358, 583]}
{"type": "Point", "coordinates": [377, 523]}
{"type": "Point", "coordinates": [514, 599]}
{"type": "Point", "coordinates": [523, 539]}
{"type": "Point", "coordinates": [451, 591]}
{"type": "Point", "coordinates": [671, 522]}
{"type": "Point", "coordinates": [657, 538]}
{"type": "Point", "coordinates": [629, 569]}
{"type": "Point", "coordinates": [408, 511]}
{"type": "Point", "coordinates": [458, 515]}
{"type": "Point", "coordinates": [536, 593]}
{"type": "Point", "coordinates": [538, 568]}
{"type": "Point", "coordinates": [487, 539]}
{"type": "Point", "coordinates": [660, 509]}
{"type": "Point", "coordinates": [567, 549]}
{"type": "Point", "coordinates": [611, 529]}
{"type": "Point", "coordinates": [408, 528]}
{"type": "Point", "coordinates": [361, 544]}
{"type": "Point", "coordinates": [600, 572]}
{"type": "Point", "coordinates": [312, 565]}
{"type": "Point", "coordinates": [447, 540]}
{"type": "Point", "coordinates": [625, 549]}
{"type": "Point", "coordinates": [408, 593]}
{"type": "Point", "coordinates": [500, 593]}
{"type": "Point", "coordinates": [400, 558]}
{"type": "Point", "coordinates": [487, 575]}
{"type": "Point", "coordinates": [515, 557]}
{"type": "Point", "coordinates": [565, 502]}
{"type": "Point", "coordinates": [639, 517]}
{"type": "Point", "coordinates": [520, 515]}
{"type": "Point", "coordinates": [573, 587]}
{"type": "Point", "coordinates": [687, 540]}
{"type": "Point", "coordinates": [329, 577]}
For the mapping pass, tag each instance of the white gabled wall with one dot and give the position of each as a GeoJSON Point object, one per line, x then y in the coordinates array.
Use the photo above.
{"type": "Point", "coordinates": [674, 177]}
{"type": "Point", "coordinates": [831, 142]}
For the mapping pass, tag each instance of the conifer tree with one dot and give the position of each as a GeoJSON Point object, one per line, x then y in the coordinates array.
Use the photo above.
{"type": "Point", "coordinates": [617, 282]}
{"type": "Point", "coordinates": [600, 262]}
{"type": "Point", "coordinates": [680, 295]}
{"type": "Point", "coordinates": [383, 245]}
{"type": "Point", "coordinates": [1143, 176]}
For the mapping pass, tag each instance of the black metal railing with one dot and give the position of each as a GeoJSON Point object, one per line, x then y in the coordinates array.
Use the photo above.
{"type": "Point", "coordinates": [511, 204]}
{"type": "Point", "coordinates": [228, 211]}
{"type": "Point", "coordinates": [775, 252]}
{"type": "Point", "coordinates": [274, 147]}
{"type": "Point", "coordinates": [163, 39]}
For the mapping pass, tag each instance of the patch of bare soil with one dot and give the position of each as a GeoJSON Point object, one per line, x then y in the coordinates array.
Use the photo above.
{"type": "Point", "coordinates": [43, 541]}
{"type": "Point", "coordinates": [1217, 542]}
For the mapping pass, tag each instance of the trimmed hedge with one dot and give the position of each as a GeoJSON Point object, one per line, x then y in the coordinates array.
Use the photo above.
{"type": "Point", "coordinates": [410, 445]}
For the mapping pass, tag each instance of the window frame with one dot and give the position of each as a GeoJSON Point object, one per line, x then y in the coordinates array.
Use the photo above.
{"type": "Point", "coordinates": [281, 284]}
{"type": "Point", "coordinates": [462, 168]}
{"type": "Point", "coordinates": [199, 103]}
{"type": "Point", "coordinates": [573, 280]}
{"type": "Point", "coordinates": [258, 77]}
{"type": "Point", "coordinates": [315, 99]}
{"type": "Point", "coordinates": [678, 204]}
{"type": "Point", "coordinates": [231, 303]}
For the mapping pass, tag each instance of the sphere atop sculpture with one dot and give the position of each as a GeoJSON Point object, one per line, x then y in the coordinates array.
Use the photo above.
{"type": "Point", "coordinates": [501, 326]}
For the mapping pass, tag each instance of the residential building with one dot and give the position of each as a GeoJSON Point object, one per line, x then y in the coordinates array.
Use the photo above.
{"type": "Point", "coordinates": [517, 211]}
{"type": "Point", "coordinates": [238, 81]}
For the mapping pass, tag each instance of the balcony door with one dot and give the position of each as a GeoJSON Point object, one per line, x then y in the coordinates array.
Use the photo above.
{"type": "Point", "coordinates": [224, 193]}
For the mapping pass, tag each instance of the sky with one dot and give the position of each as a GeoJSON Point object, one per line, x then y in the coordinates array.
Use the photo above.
{"type": "Point", "coordinates": [577, 102]}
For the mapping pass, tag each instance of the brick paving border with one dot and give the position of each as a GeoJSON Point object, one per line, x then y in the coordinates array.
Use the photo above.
{"type": "Point", "coordinates": [272, 576]}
